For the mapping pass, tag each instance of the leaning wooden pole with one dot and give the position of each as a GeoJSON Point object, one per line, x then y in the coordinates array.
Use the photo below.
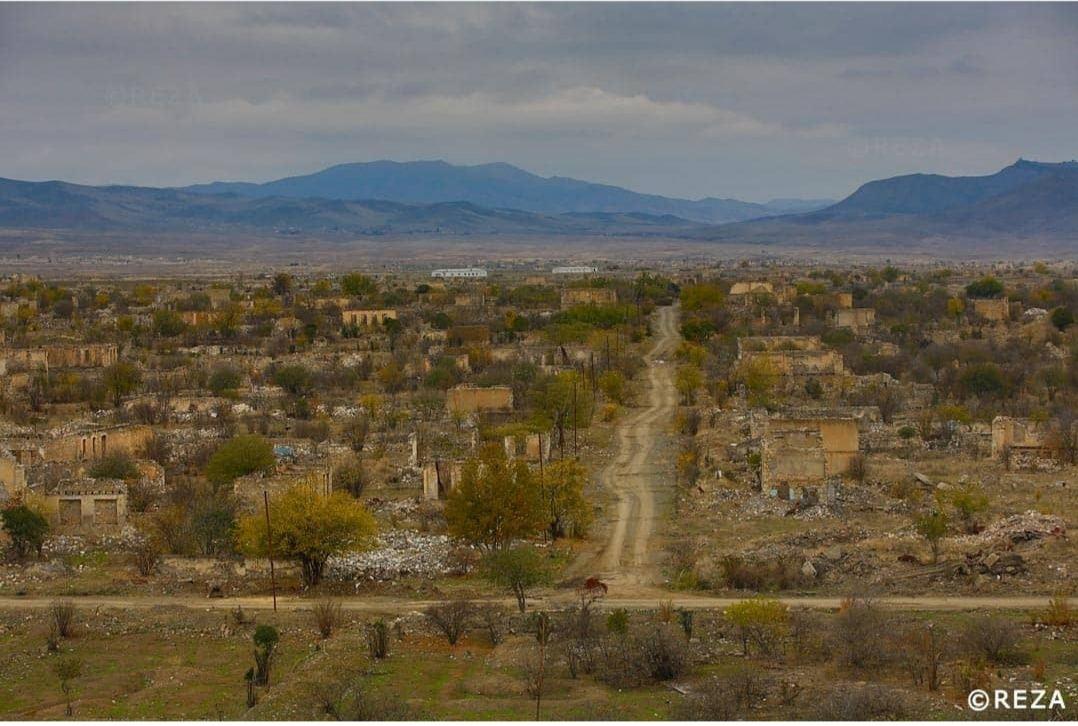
{"type": "Point", "coordinates": [269, 547]}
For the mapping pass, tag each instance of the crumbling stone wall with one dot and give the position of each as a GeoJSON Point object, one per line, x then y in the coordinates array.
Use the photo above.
{"type": "Point", "coordinates": [472, 399]}
{"type": "Point", "coordinates": [588, 296]}
{"type": "Point", "coordinates": [366, 318]}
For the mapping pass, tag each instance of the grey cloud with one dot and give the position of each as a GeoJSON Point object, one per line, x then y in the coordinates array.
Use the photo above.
{"type": "Point", "coordinates": [750, 100]}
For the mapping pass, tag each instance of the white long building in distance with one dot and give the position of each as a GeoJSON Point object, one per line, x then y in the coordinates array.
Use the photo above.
{"type": "Point", "coordinates": [575, 270]}
{"type": "Point", "coordinates": [460, 272]}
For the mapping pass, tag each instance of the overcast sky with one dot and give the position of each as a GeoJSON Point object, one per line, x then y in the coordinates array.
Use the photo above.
{"type": "Point", "coordinates": [751, 101]}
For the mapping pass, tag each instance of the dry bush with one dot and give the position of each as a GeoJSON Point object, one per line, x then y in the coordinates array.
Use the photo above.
{"type": "Point", "coordinates": [451, 618]}
{"type": "Point", "coordinates": [378, 640]}
{"type": "Point", "coordinates": [327, 617]}
{"type": "Point", "coordinates": [728, 697]}
{"type": "Point", "coordinates": [240, 617]}
{"type": "Point", "coordinates": [492, 617]}
{"type": "Point", "coordinates": [738, 573]}
{"type": "Point", "coordinates": [146, 554]}
{"type": "Point", "coordinates": [62, 618]}
{"type": "Point", "coordinates": [656, 652]}
{"type": "Point", "coordinates": [1059, 612]}
{"type": "Point", "coordinates": [992, 637]}
{"type": "Point", "coordinates": [348, 698]}
{"type": "Point", "coordinates": [857, 635]}
{"type": "Point", "coordinates": [858, 469]}
{"type": "Point", "coordinates": [863, 703]}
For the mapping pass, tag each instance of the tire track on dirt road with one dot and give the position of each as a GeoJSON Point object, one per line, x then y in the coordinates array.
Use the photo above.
{"type": "Point", "coordinates": [640, 475]}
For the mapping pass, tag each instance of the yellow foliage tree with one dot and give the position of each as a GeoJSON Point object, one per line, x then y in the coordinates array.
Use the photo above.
{"type": "Point", "coordinates": [309, 527]}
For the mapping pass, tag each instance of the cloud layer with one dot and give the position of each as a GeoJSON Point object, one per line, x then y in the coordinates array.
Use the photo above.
{"type": "Point", "coordinates": [744, 100]}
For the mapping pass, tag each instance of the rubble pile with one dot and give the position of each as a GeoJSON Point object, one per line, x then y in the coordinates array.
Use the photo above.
{"type": "Point", "coordinates": [398, 553]}
{"type": "Point", "coordinates": [1018, 528]}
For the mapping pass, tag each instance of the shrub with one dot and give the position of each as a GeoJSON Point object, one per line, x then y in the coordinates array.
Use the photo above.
{"type": "Point", "coordinates": [119, 465]}
{"type": "Point", "coordinates": [241, 455]}
{"type": "Point", "coordinates": [863, 703]}
{"type": "Point", "coordinates": [759, 621]}
{"type": "Point", "coordinates": [378, 639]}
{"type": "Point", "coordinates": [857, 634]}
{"type": "Point", "coordinates": [992, 637]}
{"type": "Point", "coordinates": [26, 529]}
{"type": "Point", "coordinates": [266, 639]}
{"type": "Point", "coordinates": [62, 617]}
{"type": "Point", "coordinates": [146, 553]}
{"type": "Point", "coordinates": [1059, 612]}
{"type": "Point", "coordinates": [327, 617]}
{"type": "Point", "coordinates": [451, 618]}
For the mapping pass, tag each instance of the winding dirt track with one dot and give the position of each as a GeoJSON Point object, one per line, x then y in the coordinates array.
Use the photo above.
{"type": "Point", "coordinates": [640, 475]}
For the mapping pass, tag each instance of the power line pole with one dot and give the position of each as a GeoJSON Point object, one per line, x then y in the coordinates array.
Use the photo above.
{"type": "Point", "coordinates": [269, 545]}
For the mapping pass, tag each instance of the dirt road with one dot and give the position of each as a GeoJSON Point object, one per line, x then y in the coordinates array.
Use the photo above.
{"type": "Point", "coordinates": [550, 599]}
{"type": "Point", "coordinates": [641, 475]}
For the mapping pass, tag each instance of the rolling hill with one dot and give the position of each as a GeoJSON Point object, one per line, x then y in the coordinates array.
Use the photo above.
{"type": "Point", "coordinates": [1027, 201]}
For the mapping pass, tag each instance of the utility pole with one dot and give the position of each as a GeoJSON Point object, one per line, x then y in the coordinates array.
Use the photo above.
{"type": "Point", "coordinates": [576, 451]}
{"type": "Point", "coordinates": [269, 545]}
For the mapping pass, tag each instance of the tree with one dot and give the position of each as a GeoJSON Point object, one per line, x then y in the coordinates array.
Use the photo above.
{"type": "Point", "coordinates": [67, 670]}
{"type": "Point", "coordinates": [968, 502]}
{"type": "Point", "coordinates": [451, 618]}
{"type": "Point", "coordinates": [282, 283]}
{"type": "Point", "coordinates": [518, 569]}
{"type": "Point", "coordinates": [612, 384]}
{"type": "Point", "coordinates": [759, 621]}
{"type": "Point", "coordinates": [167, 324]}
{"type": "Point", "coordinates": [1062, 318]}
{"type": "Point", "coordinates": [266, 639]}
{"type": "Point", "coordinates": [933, 527]}
{"type": "Point", "coordinates": [987, 286]}
{"type": "Point", "coordinates": [224, 379]}
{"type": "Point", "coordinates": [980, 379]}
{"type": "Point", "coordinates": [239, 456]}
{"type": "Point", "coordinates": [121, 379]}
{"type": "Point", "coordinates": [358, 285]}
{"type": "Point", "coordinates": [118, 465]}
{"type": "Point", "coordinates": [26, 528]}
{"type": "Point", "coordinates": [759, 378]}
{"type": "Point", "coordinates": [295, 379]}
{"type": "Point", "coordinates": [687, 380]}
{"type": "Point", "coordinates": [496, 502]}
{"type": "Point", "coordinates": [308, 527]}
{"type": "Point", "coordinates": [566, 507]}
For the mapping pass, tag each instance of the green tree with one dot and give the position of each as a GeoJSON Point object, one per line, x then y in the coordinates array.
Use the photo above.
{"type": "Point", "coordinates": [121, 379]}
{"type": "Point", "coordinates": [167, 324]}
{"type": "Point", "coordinates": [705, 296]}
{"type": "Point", "coordinates": [26, 528]}
{"type": "Point", "coordinates": [266, 639]}
{"type": "Point", "coordinates": [497, 501]}
{"type": "Point", "coordinates": [933, 527]}
{"type": "Point", "coordinates": [987, 286]}
{"type": "Point", "coordinates": [968, 502]}
{"type": "Point", "coordinates": [296, 379]}
{"type": "Point", "coordinates": [567, 509]}
{"type": "Point", "coordinates": [224, 379]}
{"type": "Point", "coordinates": [239, 456]}
{"type": "Point", "coordinates": [308, 527]}
{"type": "Point", "coordinates": [1062, 318]}
{"type": "Point", "coordinates": [358, 285]}
{"type": "Point", "coordinates": [518, 569]}
{"type": "Point", "coordinates": [118, 465]}
{"type": "Point", "coordinates": [983, 379]}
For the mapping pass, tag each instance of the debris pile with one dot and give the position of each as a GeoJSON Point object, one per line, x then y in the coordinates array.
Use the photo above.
{"type": "Point", "coordinates": [1018, 528]}
{"type": "Point", "coordinates": [398, 553]}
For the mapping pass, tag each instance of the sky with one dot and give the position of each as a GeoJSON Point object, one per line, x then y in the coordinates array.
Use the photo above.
{"type": "Point", "coordinates": [742, 100]}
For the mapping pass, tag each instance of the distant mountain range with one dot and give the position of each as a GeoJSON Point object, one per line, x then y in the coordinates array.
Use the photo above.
{"type": "Point", "coordinates": [1026, 205]}
{"type": "Point", "coordinates": [498, 186]}
{"type": "Point", "coordinates": [1028, 200]}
